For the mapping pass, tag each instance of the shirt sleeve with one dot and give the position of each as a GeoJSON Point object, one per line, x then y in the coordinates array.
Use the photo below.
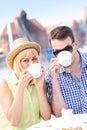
{"type": "Point", "coordinates": [48, 87]}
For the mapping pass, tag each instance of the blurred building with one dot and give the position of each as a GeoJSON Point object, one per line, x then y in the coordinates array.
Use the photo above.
{"type": "Point", "coordinates": [31, 29]}
{"type": "Point", "coordinates": [79, 29]}
{"type": "Point", "coordinates": [34, 31]}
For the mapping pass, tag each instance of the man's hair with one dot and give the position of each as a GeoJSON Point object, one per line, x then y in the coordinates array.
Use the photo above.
{"type": "Point", "coordinates": [61, 32]}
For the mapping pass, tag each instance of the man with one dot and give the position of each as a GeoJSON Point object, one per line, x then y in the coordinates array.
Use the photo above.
{"type": "Point", "coordinates": [67, 84]}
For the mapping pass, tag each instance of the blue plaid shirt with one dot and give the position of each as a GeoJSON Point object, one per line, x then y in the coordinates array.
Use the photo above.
{"type": "Point", "coordinates": [74, 91]}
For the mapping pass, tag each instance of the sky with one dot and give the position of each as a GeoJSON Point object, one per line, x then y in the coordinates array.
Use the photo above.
{"type": "Point", "coordinates": [47, 12]}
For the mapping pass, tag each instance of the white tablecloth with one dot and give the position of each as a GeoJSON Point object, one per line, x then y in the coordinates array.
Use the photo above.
{"type": "Point", "coordinates": [59, 123]}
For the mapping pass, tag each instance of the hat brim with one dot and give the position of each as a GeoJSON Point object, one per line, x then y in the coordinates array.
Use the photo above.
{"type": "Point", "coordinates": [12, 54]}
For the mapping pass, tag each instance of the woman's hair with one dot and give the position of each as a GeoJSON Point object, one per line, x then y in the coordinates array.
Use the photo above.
{"type": "Point", "coordinates": [61, 32]}
{"type": "Point", "coordinates": [17, 61]}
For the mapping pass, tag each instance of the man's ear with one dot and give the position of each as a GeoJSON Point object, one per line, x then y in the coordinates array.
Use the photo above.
{"type": "Point", "coordinates": [76, 43]}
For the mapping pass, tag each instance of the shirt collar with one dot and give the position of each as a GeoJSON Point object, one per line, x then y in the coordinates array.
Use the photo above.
{"type": "Point", "coordinates": [14, 78]}
{"type": "Point", "coordinates": [83, 56]}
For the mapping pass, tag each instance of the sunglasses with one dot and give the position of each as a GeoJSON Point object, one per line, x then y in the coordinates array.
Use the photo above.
{"type": "Point", "coordinates": [67, 48]}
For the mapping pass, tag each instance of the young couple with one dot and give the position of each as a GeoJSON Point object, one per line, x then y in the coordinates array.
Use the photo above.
{"type": "Point", "coordinates": [24, 99]}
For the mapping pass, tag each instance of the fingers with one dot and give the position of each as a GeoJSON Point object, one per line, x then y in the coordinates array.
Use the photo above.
{"type": "Point", "coordinates": [53, 63]}
{"type": "Point", "coordinates": [54, 67]}
{"type": "Point", "coordinates": [25, 77]}
{"type": "Point", "coordinates": [43, 70]}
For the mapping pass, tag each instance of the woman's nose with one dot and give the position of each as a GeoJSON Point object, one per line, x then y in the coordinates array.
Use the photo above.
{"type": "Point", "coordinates": [30, 62]}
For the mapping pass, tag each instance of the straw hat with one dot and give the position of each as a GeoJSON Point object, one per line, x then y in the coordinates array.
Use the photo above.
{"type": "Point", "coordinates": [19, 45]}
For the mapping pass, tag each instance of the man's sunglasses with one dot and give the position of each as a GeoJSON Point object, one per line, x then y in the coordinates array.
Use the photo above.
{"type": "Point", "coordinates": [67, 48]}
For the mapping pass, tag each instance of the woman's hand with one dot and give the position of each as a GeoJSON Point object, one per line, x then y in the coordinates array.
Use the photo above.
{"type": "Point", "coordinates": [45, 109]}
{"type": "Point", "coordinates": [25, 78]}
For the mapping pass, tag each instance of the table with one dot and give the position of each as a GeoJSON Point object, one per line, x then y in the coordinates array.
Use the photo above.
{"type": "Point", "coordinates": [59, 123]}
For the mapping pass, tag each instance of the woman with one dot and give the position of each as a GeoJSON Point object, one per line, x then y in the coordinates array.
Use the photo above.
{"type": "Point", "coordinates": [23, 100]}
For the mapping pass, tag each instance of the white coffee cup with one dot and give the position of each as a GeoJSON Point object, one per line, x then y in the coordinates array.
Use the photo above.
{"type": "Point", "coordinates": [35, 70]}
{"type": "Point", "coordinates": [65, 58]}
{"type": "Point", "coordinates": [67, 114]}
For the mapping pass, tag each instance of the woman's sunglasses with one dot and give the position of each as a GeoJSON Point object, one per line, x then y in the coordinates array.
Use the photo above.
{"type": "Point", "coordinates": [67, 48]}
